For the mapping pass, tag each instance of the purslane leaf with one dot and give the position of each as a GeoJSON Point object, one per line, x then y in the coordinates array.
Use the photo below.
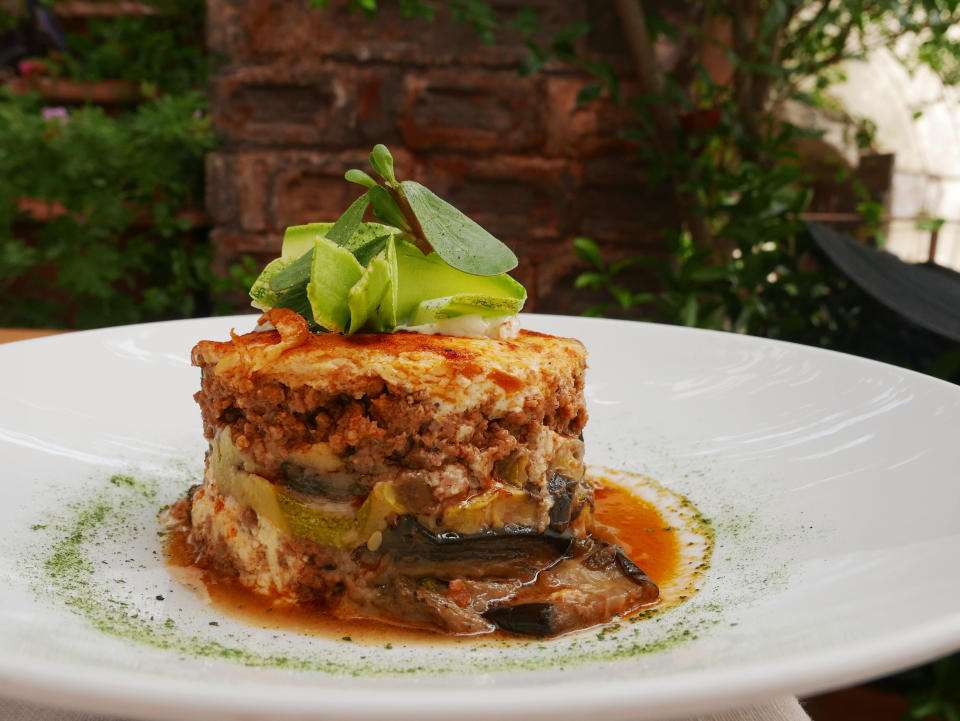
{"type": "Point", "coordinates": [296, 272]}
{"type": "Point", "coordinates": [360, 178]}
{"type": "Point", "coordinates": [385, 208]}
{"type": "Point", "coordinates": [366, 252]}
{"type": "Point", "coordinates": [347, 224]}
{"type": "Point", "coordinates": [362, 241]}
{"type": "Point", "coordinates": [457, 239]}
{"type": "Point", "coordinates": [382, 162]}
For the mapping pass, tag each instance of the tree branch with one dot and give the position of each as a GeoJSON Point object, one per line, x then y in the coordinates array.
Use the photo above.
{"type": "Point", "coordinates": [743, 91]}
{"type": "Point", "coordinates": [650, 76]}
{"type": "Point", "coordinates": [761, 90]}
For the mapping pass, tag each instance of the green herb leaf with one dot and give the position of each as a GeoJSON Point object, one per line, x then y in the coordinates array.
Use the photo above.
{"type": "Point", "coordinates": [290, 291]}
{"type": "Point", "coordinates": [360, 178]}
{"type": "Point", "coordinates": [370, 249]}
{"type": "Point", "coordinates": [348, 223]}
{"type": "Point", "coordinates": [457, 239]}
{"type": "Point", "coordinates": [296, 272]}
{"type": "Point", "coordinates": [385, 208]}
{"type": "Point", "coordinates": [382, 162]}
{"type": "Point", "coordinates": [365, 239]}
{"type": "Point", "coordinates": [295, 299]}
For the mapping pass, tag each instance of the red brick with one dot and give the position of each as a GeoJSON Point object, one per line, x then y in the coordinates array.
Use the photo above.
{"type": "Point", "coordinates": [614, 170]}
{"type": "Point", "coordinates": [225, 32]}
{"type": "Point", "coordinates": [606, 40]}
{"type": "Point", "coordinates": [275, 30]}
{"type": "Point", "coordinates": [305, 94]}
{"type": "Point", "coordinates": [236, 194]}
{"type": "Point", "coordinates": [331, 105]}
{"type": "Point", "coordinates": [304, 195]}
{"type": "Point", "coordinates": [309, 186]}
{"type": "Point", "coordinates": [230, 247]}
{"type": "Point", "coordinates": [222, 199]}
{"type": "Point", "coordinates": [238, 243]}
{"type": "Point", "coordinates": [514, 197]}
{"type": "Point", "coordinates": [632, 215]}
{"type": "Point", "coordinates": [477, 112]}
{"type": "Point", "coordinates": [581, 130]}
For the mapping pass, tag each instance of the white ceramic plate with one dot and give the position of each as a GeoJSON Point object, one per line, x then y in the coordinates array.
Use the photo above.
{"type": "Point", "coordinates": [832, 484]}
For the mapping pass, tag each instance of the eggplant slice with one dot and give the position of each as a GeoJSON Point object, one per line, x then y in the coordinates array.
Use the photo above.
{"type": "Point", "coordinates": [521, 581]}
{"type": "Point", "coordinates": [509, 553]}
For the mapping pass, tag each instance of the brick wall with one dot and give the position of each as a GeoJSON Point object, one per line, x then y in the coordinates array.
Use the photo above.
{"type": "Point", "coordinates": [303, 95]}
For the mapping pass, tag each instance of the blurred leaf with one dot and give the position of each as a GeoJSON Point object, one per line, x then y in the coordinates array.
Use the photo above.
{"type": "Point", "coordinates": [930, 224]}
{"type": "Point", "coordinates": [590, 279]}
{"type": "Point", "coordinates": [588, 93]}
{"type": "Point", "coordinates": [623, 295]}
{"type": "Point", "coordinates": [689, 311]}
{"type": "Point", "coordinates": [535, 59]}
{"type": "Point", "coordinates": [587, 250]}
{"type": "Point", "coordinates": [417, 9]}
{"type": "Point", "coordinates": [526, 21]}
{"type": "Point", "coordinates": [774, 17]}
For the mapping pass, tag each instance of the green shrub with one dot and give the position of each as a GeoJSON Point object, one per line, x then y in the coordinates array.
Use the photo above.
{"type": "Point", "coordinates": [118, 252]}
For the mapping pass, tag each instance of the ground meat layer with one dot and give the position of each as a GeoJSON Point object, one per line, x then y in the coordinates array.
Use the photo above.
{"type": "Point", "coordinates": [382, 430]}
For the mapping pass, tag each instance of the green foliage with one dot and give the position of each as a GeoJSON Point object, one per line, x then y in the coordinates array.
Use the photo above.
{"type": "Point", "coordinates": [163, 51]}
{"type": "Point", "coordinates": [117, 252]}
{"type": "Point", "coordinates": [119, 246]}
{"type": "Point", "coordinates": [933, 690]}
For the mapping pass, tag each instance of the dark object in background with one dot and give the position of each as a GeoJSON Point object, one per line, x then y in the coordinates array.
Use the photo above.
{"type": "Point", "coordinates": [914, 317]}
{"type": "Point", "coordinates": [37, 34]}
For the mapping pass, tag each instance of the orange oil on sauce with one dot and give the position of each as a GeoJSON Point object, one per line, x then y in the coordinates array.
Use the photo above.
{"type": "Point", "coordinates": [641, 531]}
{"type": "Point", "coordinates": [639, 527]}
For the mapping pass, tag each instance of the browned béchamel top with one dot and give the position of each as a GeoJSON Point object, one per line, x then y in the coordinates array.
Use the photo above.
{"type": "Point", "coordinates": [455, 370]}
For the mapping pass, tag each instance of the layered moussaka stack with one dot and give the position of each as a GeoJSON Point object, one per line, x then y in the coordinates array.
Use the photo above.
{"type": "Point", "coordinates": [426, 481]}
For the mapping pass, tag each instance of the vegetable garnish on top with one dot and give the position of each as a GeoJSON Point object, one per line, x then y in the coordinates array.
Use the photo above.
{"type": "Point", "coordinates": [424, 266]}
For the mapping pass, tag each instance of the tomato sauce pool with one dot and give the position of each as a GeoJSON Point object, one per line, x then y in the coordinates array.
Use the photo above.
{"type": "Point", "coordinates": [638, 525]}
{"type": "Point", "coordinates": [641, 530]}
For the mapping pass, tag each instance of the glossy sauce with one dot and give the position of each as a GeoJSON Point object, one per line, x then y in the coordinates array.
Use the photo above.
{"type": "Point", "coordinates": [638, 525]}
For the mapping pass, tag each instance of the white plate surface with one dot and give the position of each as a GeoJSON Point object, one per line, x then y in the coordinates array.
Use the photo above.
{"type": "Point", "coordinates": [832, 485]}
